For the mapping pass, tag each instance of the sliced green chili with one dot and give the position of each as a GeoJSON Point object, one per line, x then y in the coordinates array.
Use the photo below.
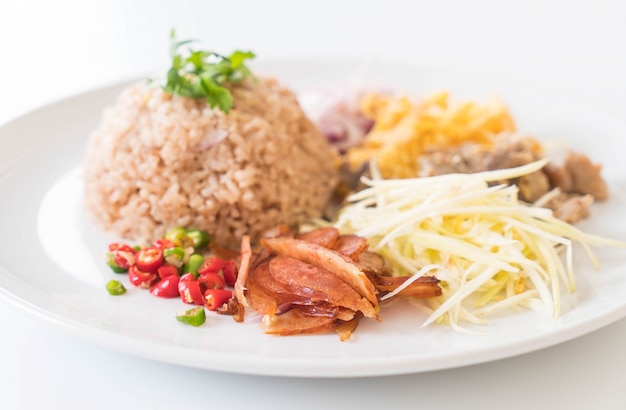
{"type": "Point", "coordinates": [179, 237]}
{"type": "Point", "coordinates": [173, 233]}
{"type": "Point", "coordinates": [113, 265]}
{"type": "Point", "coordinates": [193, 317]}
{"type": "Point", "coordinates": [192, 265]}
{"type": "Point", "coordinates": [199, 237]}
{"type": "Point", "coordinates": [115, 287]}
{"type": "Point", "coordinates": [174, 256]}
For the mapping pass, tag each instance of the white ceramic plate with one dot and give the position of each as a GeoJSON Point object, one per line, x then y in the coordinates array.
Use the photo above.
{"type": "Point", "coordinates": [51, 255]}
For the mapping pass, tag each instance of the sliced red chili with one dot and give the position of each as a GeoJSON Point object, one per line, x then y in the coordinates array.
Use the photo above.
{"type": "Point", "coordinates": [211, 265]}
{"type": "Point", "coordinates": [166, 288]}
{"type": "Point", "coordinates": [214, 298]}
{"type": "Point", "coordinates": [124, 258]}
{"type": "Point", "coordinates": [113, 264]}
{"type": "Point", "coordinates": [189, 290]}
{"type": "Point", "coordinates": [140, 278]}
{"type": "Point", "coordinates": [149, 259]}
{"type": "Point", "coordinates": [164, 243]}
{"type": "Point", "coordinates": [229, 271]}
{"type": "Point", "coordinates": [121, 256]}
{"type": "Point", "coordinates": [114, 246]}
{"type": "Point", "coordinates": [167, 270]}
{"type": "Point", "coordinates": [211, 280]}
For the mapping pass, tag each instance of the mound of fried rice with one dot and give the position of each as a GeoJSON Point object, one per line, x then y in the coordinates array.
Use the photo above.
{"type": "Point", "coordinates": [159, 161]}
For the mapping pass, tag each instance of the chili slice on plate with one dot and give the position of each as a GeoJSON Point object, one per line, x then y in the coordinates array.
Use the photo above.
{"type": "Point", "coordinates": [179, 237]}
{"type": "Point", "coordinates": [229, 271]}
{"type": "Point", "coordinates": [214, 298]}
{"type": "Point", "coordinates": [140, 278]}
{"type": "Point", "coordinates": [115, 287]}
{"type": "Point", "coordinates": [189, 290]}
{"type": "Point", "coordinates": [211, 264]}
{"type": "Point", "coordinates": [166, 288]}
{"type": "Point", "coordinates": [211, 280]}
{"type": "Point", "coordinates": [115, 246]}
{"type": "Point", "coordinates": [200, 238]}
{"type": "Point", "coordinates": [115, 267]}
{"type": "Point", "coordinates": [174, 256]}
{"type": "Point", "coordinates": [149, 259]}
{"type": "Point", "coordinates": [194, 317]}
{"type": "Point", "coordinates": [163, 243]}
{"type": "Point", "coordinates": [167, 270]}
{"type": "Point", "coordinates": [192, 265]}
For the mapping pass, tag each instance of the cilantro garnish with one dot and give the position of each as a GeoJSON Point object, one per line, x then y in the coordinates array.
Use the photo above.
{"type": "Point", "coordinates": [202, 74]}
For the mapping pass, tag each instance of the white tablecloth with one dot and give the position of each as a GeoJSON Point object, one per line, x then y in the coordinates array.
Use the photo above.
{"type": "Point", "coordinates": [52, 49]}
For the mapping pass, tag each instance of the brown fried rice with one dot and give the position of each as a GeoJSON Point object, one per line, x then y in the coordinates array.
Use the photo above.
{"type": "Point", "coordinates": [158, 161]}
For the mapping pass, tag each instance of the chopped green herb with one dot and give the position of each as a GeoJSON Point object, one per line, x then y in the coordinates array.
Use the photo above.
{"type": "Point", "coordinates": [115, 287]}
{"type": "Point", "coordinates": [193, 317]}
{"type": "Point", "coordinates": [203, 74]}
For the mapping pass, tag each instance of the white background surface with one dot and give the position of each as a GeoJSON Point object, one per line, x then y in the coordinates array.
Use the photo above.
{"type": "Point", "coordinates": [49, 49]}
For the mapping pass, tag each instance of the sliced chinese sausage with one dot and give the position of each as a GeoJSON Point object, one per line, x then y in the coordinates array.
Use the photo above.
{"type": "Point", "coordinates": [262, 254]}
{"type": "Point", "coordinates": [422, 287]}
{"type": "Point", "coordinates": [336, 312]}
{"type": "Point", "coordinates": [259, 298]}
{"type": "Point", "coordinates": [332, 261]}
{"type": "Point", "coordinates": [264, 283]}
{"type": "Point", "coordinates": [261, 275]}
{"type": "Point", "coordinates": [351, 246]}
{"type": "Point", "coordinates": [345, 329]}
{"type": "Point", "coordinates": [325, 237]}
{"type": "Point", "coordinates": [317, 284]}
{"type": "Point", "coordinates": [295, 321]}
{"type": "Point", "coordinates": [372, 263]}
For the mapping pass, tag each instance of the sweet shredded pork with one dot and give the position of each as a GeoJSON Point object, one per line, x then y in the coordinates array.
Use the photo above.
{"type": "Point", "coordinates": [578, 175]}
{"type": "Point", "coordinates": [572, 186]}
